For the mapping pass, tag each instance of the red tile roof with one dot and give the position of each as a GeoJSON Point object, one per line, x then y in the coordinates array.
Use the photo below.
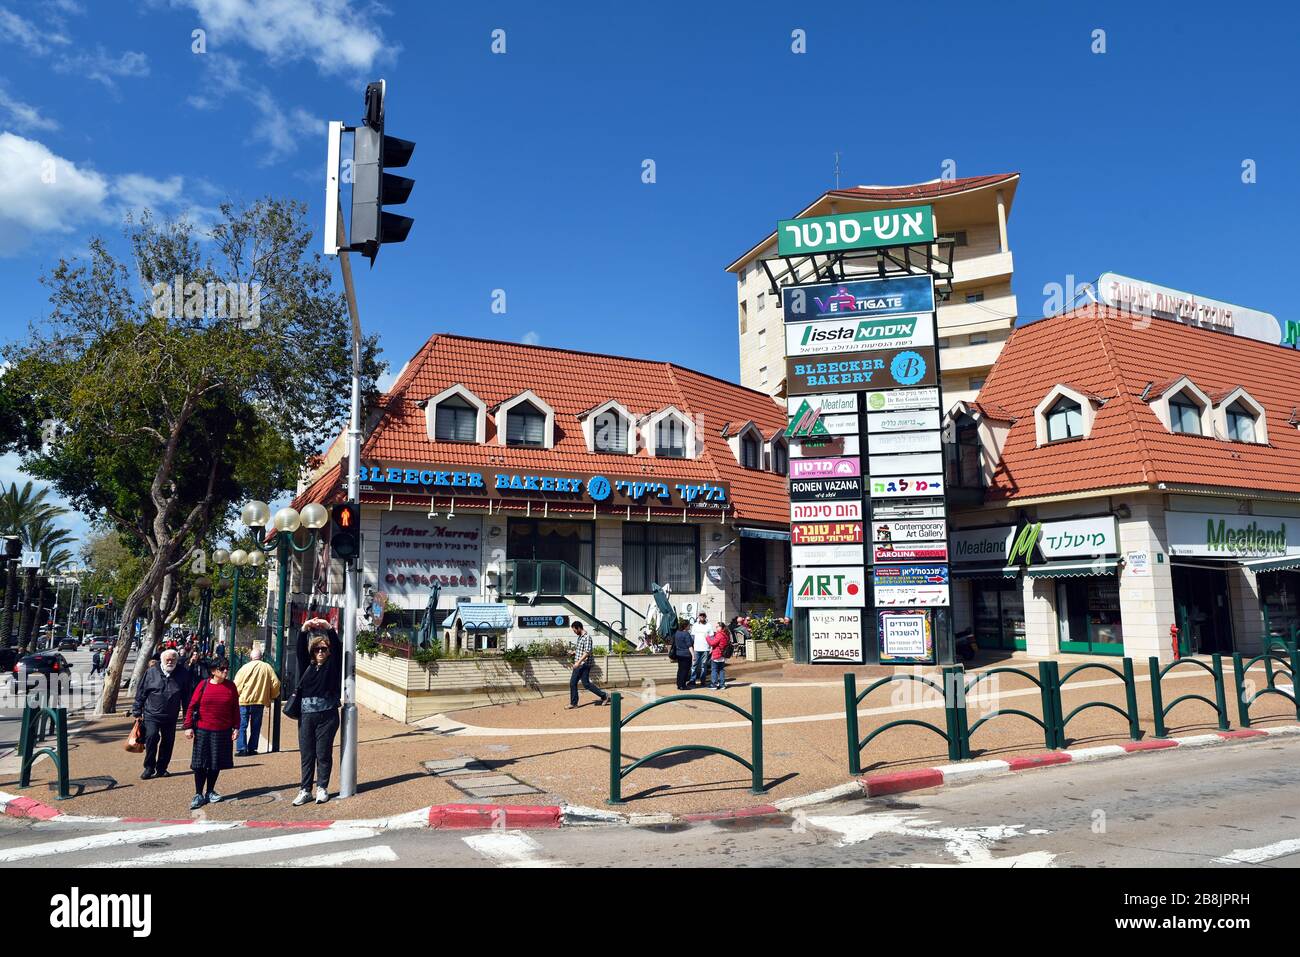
{"type": "Point", "coordinates": [1108, 352]}
{"type": "Point", "coordinates": [571, 383]}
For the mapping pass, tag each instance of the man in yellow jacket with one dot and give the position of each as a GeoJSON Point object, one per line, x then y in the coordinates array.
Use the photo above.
{"type": "Point", "coordinates": [258, 686]}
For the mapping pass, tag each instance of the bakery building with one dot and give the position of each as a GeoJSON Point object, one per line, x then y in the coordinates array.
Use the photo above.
{"type": "Point", "coordinates": [1121, 473]}
{"type": "Point", "coordinates": [536, 486]}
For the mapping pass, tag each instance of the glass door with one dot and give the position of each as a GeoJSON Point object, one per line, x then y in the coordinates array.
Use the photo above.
{"type": "Point", "coordinates": [999, 615]}
{"type": "Point", "coordinates": [1088, 616]}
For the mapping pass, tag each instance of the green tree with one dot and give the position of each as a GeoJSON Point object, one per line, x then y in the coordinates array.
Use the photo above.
{"type": "Point", "coordinates": [164, 415]}
{"type": "Point", "coordinates": [32, 518]}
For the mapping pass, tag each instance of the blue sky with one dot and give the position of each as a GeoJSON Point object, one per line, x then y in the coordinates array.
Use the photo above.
{"type": "Point", "coordinates": [528, 164]}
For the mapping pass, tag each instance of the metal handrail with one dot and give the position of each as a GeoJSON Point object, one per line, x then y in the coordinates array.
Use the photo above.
{"type": "Point", "coordinates": [515, 565]}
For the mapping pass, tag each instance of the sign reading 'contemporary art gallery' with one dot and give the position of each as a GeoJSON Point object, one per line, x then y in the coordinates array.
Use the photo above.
{"type": "Point", "coordinates": [888, 227]}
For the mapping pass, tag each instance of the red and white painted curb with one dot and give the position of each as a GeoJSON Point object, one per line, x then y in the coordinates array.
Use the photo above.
{"type": "Point", "coordinates": [521, 817]}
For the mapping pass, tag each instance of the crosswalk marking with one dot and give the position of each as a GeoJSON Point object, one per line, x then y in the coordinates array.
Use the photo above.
{"type": "Point", "coordinates": [379, 854]}
{"type": "Point", "coordinates": [970, 846]}
{"type": "Point", "coordinates": [511, 849]}
{"type": "Point", "coordinates": [217, 852]}
{"type": "Point", "coordinates": [1258, 855]}
{"type": "Point", "coordinates": [91, 842]}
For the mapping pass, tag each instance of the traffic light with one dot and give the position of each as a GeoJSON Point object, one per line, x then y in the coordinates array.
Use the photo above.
{"type": "Point", "coordinates": [345, 531]}
{"type": "Point", "coordinates": [374, 189]}
{"type": "Point", "coordinates": [13, 546]}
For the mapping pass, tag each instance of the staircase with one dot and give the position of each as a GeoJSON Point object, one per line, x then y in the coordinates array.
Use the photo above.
{"type": "Point", "coordinates": [549, 582]}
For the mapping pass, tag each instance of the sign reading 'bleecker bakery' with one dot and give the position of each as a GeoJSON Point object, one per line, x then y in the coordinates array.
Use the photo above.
{"type": "Point", "coordinates": [849, 335]}
{"type": "Point", "coordinates": [826, 490]}
{"type": "Point", "coordinates": [859, 299]}
{"type": "Point", "coordinates": [861, 371]}
{"type": "Point", "coordinates": [551, 486]}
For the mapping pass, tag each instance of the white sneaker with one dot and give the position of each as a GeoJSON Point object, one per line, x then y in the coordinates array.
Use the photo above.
{"type": "Point", "coordinates": [321, 796]}
{"type": "Point", "coordinates": [303, 797]}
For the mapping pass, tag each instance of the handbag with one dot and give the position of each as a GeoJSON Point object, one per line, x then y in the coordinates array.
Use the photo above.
{"type": "Point", "coordinates": [135, 740]}
{"type": "Point", "coordinates": [194, 714]}
{"type": "Point", "coordinates": [293, 707]}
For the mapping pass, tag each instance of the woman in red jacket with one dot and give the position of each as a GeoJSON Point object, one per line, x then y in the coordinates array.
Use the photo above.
{"type": "Point", "coordinates": [214, 711]}
{"type": "Point", "coordinates": [718, 642]}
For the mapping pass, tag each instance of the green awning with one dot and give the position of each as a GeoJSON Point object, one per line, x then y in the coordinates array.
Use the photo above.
{"type": "Point", "coordinates": [1100, 566]}
{"type": "Point", "coordinates": [1273, 564]}
{"type": "Point", "coordinates": [984, 571]}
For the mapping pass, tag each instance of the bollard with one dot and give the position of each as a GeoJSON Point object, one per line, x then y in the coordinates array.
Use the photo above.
{"type": "Point", "coordinates": [851, 721]}
{"type": "Point", "coordinates": [756, 737]}
{"type": "Point", "coordinates": [1047, 692]}
{"type": "Point", "coordinates": [615, 747]}
{"type": "Point", "coordinates": [1157, 699]}
{"type": "Point", "coordinates": [1239, 690]}
{"type": "Point", "coordinates": [1219, 699]}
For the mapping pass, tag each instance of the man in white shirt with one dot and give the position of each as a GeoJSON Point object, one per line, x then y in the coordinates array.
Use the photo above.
{"type": "Point", "coordinates": [700, 632]}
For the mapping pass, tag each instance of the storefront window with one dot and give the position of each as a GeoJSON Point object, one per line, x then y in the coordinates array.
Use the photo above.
{"type": "Point", "coordinates": [999, 615]}
{"type": "Point", "coordinates": [548, 543]}
{"type": "Point", "coordinates": [1087, 614]}
{"type": "Point", "coordinates": [1279, 595]}
{"type": "Point", "coordinates": [662, 554]}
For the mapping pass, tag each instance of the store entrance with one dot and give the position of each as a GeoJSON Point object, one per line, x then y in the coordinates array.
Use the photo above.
{"type": "Point", "coordinates": [1088, 615]}
{"type": "Point", "coordinates": [999, 614]}
{"type": "Point", "coordinates": [1204, 615]}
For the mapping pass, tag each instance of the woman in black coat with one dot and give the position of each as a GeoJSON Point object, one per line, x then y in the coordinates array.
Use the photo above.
{"type": "Point", "coordinates": [683, 650]}
{"type": "Point", "coordinates": [319, 689]}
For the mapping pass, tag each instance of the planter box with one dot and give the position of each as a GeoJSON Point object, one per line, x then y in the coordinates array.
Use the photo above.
{"type": "Point", "coordinates": [768, 651]}
{"type": "Point", "coordinates": [407, 691]}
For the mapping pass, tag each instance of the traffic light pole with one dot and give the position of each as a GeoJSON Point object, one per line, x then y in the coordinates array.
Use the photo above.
{"type": "Point", "coordinates": [352, 570]}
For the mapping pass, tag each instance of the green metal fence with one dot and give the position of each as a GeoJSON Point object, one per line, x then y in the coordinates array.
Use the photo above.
{"type": "Point", "coordinates": [1161, 710]}
{"type": "Point", "coordinates": [1130, 697]}
{"type": "Point", "coordinates": [1052, 736]}
{"type": "Point", "coordinates": [954, 711]}
{"type": "Point", "coordinates": [1291, 667]}
{"type": "Point", "coordinates": [617, 722]}
{"type": "Point", "coordinates": [33, 731]}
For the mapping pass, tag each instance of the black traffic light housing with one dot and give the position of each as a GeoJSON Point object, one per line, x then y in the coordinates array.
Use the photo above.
{"type": "Point", "coordinates": [373, 189]}
{"type": "Point", "coordinates": [345, 531]}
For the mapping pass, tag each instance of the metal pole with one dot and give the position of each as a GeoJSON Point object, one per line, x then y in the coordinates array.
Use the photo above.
{"type": "Point", "coordinates": [282, 556]}
{"type": "Point", "coordinates": [348, 762]}
{"type": "Point", "coordinates": [234, 613]}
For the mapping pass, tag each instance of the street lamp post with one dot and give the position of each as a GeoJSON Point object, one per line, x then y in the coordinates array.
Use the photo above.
{"type": "Point", "coordinates": [286, 522]}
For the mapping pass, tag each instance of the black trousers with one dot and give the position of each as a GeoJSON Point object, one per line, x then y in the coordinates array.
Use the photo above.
{"type": "Point", "coordinates": [683, 672]}
{"type": "Point", "coordinates": [159, 739]}
{"type": "Point", "coordinates": [583, 673]}
{"type": "Point", "coordinates": [316, 730]}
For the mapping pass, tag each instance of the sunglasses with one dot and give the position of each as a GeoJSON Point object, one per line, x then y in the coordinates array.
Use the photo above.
{"type": "Point", "coordinates": [321, 651]}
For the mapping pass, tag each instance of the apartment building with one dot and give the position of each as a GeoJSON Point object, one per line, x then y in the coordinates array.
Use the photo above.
{"type": "Point", "coordinates": [974, 322]}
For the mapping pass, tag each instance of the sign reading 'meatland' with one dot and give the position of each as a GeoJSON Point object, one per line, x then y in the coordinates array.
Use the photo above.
{"type": "Point", "coordinates": [886, 227]}
{"type": "Point", "coordinates": [1207, 535]}
{"type": "Point", "coordinates": [550, 486]}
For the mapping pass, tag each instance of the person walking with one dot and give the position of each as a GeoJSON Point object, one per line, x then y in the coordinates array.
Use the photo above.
{"type": "Point", "coordinates": [211, 722]}
{"type": "Point", "coordinates": [320, 685]}
{"type": "Point", "coordinates": [95, 661]}
{"type": "Point", "coordinates": [159, 699]}
{"type": "Point", "coordinates": [700, 632]}
{"type": "Point", "coordinates": [683, 649]}
{"type": "Point", "coordinates": [582, 662]}
{"type": "Point", "coordinates": [258, 686]}
{"type": "Point", "coordinates": [718, 643]}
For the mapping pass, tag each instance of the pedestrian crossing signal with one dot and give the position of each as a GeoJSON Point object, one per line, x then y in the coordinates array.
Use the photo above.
{"type": "Point", "coordinates": [345, 531]}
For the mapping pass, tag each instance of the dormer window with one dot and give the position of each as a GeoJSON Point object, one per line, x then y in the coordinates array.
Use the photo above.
{"type": "Point", "coordinates": [670, 438]}
{"type": "Point", "coordinates": [526, 421]}
{"type": "Point", "coordinates": [780, 457]}
{"type": "Point", "coordinates": [751, 456]}
{"type": "Point", "coordinates": [1064, 420]}
{"type": "Point", "coordinates": [1184, 415]}
{"type": "Point", "coordinates": [455, 415]}
{"type": "Point", "coordinates": [1241, 423]}
{"type": "Point", "coordinates": [610, 432]}
{"type": "Point", "coordinates": [1066, 412]}
{"type": "Point", "coordinates": [455, 420]}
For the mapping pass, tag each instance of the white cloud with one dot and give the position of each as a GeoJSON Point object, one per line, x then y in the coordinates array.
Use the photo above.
{"type": "Point", "coordinates": [276, 126]}
{"type": "Point", "coordinates": [337, 35]}
{"type": "Point", "coordinates": [531, 338]}
{"type": "Point", "coordinates": [42, 193]}
{"type": "Point", "coordinates": [22, 115]}
{"type": "Point", "coordinates": [103, 67]}
{"type": "Point", "coordinates": [33, 38]}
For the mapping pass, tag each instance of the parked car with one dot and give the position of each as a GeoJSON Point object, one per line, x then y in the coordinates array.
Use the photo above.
{"type": "Point", "coordinates": [41, 663]}
{"type": "Point", "coordinates": [8, 658]}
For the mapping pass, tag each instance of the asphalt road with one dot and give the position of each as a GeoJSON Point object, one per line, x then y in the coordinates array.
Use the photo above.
{"type": "Point", "coordinates": [10, 717]}
{"type": "Point", "coordinates": [1230, 805]}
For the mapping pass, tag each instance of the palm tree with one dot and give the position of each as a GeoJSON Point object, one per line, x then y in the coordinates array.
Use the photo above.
{"type": "Point", "coordinates": [27, 514]}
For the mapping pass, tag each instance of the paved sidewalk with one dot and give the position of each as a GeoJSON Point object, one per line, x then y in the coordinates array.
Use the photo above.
{"type": "Point", "coordinates": [538, 753]}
